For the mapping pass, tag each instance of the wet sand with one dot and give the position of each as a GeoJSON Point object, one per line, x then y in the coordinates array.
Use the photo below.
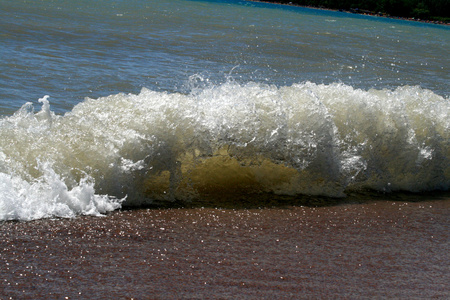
{"type": "Point", "coordinates": [376, 249]}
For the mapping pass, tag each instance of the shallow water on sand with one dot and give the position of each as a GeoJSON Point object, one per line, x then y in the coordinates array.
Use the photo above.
{"type": "Point", "coordinates": [372, 249]}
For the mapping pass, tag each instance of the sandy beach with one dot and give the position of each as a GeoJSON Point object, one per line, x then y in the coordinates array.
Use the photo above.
{"type": "Point", "coordinates": [374, 249]}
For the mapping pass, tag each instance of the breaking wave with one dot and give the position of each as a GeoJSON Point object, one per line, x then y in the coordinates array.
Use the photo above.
{"type": "Point", "coordinates": [220, 142]}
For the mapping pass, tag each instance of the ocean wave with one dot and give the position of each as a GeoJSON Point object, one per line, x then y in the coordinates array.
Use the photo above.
{"type": "Point", "coordinates": [221, 141]}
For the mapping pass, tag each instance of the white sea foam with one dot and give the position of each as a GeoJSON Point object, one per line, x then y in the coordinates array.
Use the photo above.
{"type": "Point", "coordinates": [49, 196]}
{"type": "Point", "coordinates": [227, 139]}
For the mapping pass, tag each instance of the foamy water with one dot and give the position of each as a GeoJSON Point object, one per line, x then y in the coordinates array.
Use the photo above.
{"type": "Point", "coordinates": [230, 139]}
{"type": "Point", "coordinates": [212, 102]}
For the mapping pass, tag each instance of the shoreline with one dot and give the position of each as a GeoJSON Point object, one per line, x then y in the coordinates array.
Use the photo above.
{"type": "Point", "coordinates": [357, 11]}
{"type": "Point", "coordinates": [368, 250]}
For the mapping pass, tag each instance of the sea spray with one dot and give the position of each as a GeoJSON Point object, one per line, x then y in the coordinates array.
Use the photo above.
{"type": "Point", "coordinates": [221, 141]}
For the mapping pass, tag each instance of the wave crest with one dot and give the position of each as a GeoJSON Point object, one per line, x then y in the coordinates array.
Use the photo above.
{"type": "Point", "coordinates": [228, 139]}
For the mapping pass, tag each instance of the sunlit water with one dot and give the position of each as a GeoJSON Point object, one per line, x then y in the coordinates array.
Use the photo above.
{"type": "Point", "coordinates": [200, 100]}
{"type": "Point", "coordinates": [380, 249]}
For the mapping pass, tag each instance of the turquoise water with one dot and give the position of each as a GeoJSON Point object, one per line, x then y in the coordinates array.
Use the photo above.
{"type": "Point", "coordinates": [179, 100]}
{"type": "Point", "coordinates": [90, 49]}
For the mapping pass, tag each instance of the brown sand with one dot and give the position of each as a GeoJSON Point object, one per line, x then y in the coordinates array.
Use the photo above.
{"type": "Point", "coordinates": [378, 249]}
